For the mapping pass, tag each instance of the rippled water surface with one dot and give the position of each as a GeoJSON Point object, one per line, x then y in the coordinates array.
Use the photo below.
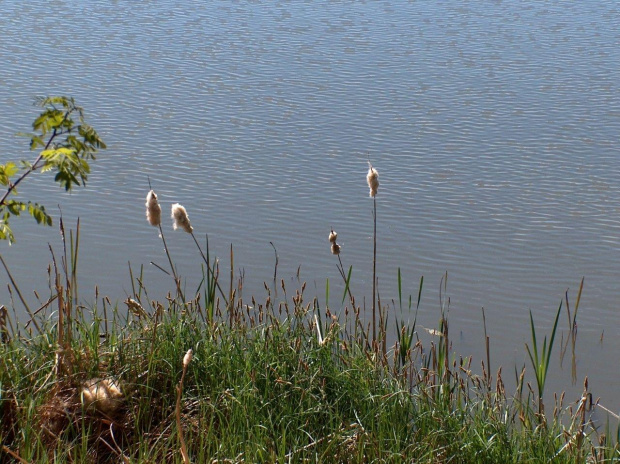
{"type": "Point", "coordinates": [494, 127]}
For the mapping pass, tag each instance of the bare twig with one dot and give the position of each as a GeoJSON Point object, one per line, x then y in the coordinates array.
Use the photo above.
{"type": "Point", "coordinates": [12, 453]}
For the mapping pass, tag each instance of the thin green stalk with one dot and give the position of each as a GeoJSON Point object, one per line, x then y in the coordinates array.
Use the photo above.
{"type": "Point", "coordinates": [177, 281]}
{"type": "Point", "coordinates": [186, 360]}
{"type": "Point", "coordinates": [374, 273]}
{"type": "Point", "coordinates": [204, 258]}
{"type": "Point", "coordinates": [231, 297]}
{"type": "Point", "coordinates": [488, 351]}
{"type": "Point", "coordinates": [75, 249]}
{"type": "Point", "coordinates": [347, 282]}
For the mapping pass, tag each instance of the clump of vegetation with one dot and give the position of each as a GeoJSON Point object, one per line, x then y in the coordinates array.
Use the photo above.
{"type": "Point", "coordinates": [282, 380]}
{"type": "Point", "coordinates": [206, 376]}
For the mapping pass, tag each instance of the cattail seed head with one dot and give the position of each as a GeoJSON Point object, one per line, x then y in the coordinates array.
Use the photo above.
{"type": "Point", "coordinates": [335, 248]}
{"type": "Point", "coordinates": [187, 358]}
{"type": "Point", "coordinates": [153, 210]}
{"type": "Point", "coordinates": [373, 180]}
{"type": "Point", "coordinates": [179, 215]}
{"type": "Point", "coordinates": [333, 236]}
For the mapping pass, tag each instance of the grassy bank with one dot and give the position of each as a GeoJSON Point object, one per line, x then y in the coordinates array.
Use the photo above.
{"type": "Point", "coordinates": [280, 380]}
{"type": "Point", "coordinates": [208, 377]}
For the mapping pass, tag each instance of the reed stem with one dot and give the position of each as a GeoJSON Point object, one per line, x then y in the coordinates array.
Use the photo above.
{"type": "Point", "coordinates": [177, 281]}
{"type": "Point", "coordinates": [204, 258]}
{"type": "Point", "coordinates": [374, 273]}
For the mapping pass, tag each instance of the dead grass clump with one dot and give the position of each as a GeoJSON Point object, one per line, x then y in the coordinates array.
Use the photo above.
{"type": "Point", "coordinates": [57, 412]}
{"type": "Point", "coordinates": [8, 419]}
{"type": "Point", "coordinates": [94, 409]}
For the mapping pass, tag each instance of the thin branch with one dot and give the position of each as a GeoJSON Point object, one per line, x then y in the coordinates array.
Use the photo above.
{"type": "Point", "coordinates": [34, 166]}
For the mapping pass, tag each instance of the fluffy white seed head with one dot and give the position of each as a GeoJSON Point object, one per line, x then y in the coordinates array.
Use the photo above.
{"type": "Point", "coordinates": [373, 180]}
{"type": "Point", "coordinates": [153, 210]}
{"type": "Point", "coordinates": [181, 220]}
{"type": "Point", "coordinates": [333, 236]}
{"type": "Point", "coordinates": [187, 358]}
{"type": "Point", "coordinates": [335, 248]}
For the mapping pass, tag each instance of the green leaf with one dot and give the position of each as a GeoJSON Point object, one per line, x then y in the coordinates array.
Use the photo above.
{"type": "Point", "coordinates": [54, 100]}
{"type": "Point", "coordinates": [66, 179]}
{"type": "Point", "coordinates": [90, 136]}
{"type": "Point", "coordinates": [77, 144]}
{"type": "Point", "coordinates": [15, 207]}
{"type": "Point", "coordinates": [38, 213]}
{"type": "Point", "coordinates": [5, 231]}
{"type": "Point", "coordinates": [56, 153]}
{"type": "Point", "coordinates": [7, 171]}
{"type": "Point", "coordinates": [47, 167]}
{"type": "Point", "coordinates": [48, 120]}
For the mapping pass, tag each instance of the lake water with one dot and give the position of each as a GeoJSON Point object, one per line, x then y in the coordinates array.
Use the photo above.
{"type": "Point", "coordinates": [494, 127]}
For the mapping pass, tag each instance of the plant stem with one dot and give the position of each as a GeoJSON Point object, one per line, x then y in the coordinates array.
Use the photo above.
{"type": "Point", "coordinates": [21, 297]}
{"type": "Point", "coordinates": [177, 281]}
{"type": "Point", "coordinates": [177, 411]}
{"type": "Point", "coordinates": [344, 277]}
{"type": "Point", "coordinates": [374, 272]}
{"type": "Point", "coordinates": [204, 258]}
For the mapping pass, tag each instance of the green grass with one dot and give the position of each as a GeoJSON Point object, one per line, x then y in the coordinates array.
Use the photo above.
{"type": "Point", "coordinates": [280, 380]}
{"type": "Point", "coordinates": [262, 389]}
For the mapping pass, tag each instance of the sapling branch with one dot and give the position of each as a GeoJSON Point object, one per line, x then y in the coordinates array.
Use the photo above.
{"type": "Point", "coordinates": [63, 152]}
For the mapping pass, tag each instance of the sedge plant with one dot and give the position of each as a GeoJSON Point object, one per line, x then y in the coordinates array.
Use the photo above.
{"type": "Point", "coordinates": [540, 356]}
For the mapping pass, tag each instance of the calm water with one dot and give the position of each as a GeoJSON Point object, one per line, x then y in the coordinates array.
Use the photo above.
{"type": "Point", "coordinates": [494, 127]}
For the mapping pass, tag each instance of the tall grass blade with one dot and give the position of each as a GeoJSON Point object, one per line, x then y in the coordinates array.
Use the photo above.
{"type": "Point", "coordinates": [573, 322]}
{"type": "Point", "coordinates": [346, 284]}
{"type": "Point", "coordinates": [420, 291]}
{"type": "Point", "coordinates": [541, 358]}
{"type": "Point", "coordinates": [400, 291]}
{"type": "Point", "coordinates": [275, 266]}
{"type": "Point", "coordinates": [326, 293]}
{"type": "Point", "coordinates": [555, 326]}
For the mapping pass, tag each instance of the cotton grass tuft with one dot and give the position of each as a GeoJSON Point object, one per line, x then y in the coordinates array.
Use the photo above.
{"type": "Point", "coordinates": [187, 358]}
{"type": "Point", "coordinates": [335, 248]}
{"type": "Point", "coordinates": [153, 210]}
{"type": "Point", "coordinates": [181, 219]}
{"type": "Point", "coordinates": [333, 236]}
{"type": "Point", "coordinates": [373, 180]}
